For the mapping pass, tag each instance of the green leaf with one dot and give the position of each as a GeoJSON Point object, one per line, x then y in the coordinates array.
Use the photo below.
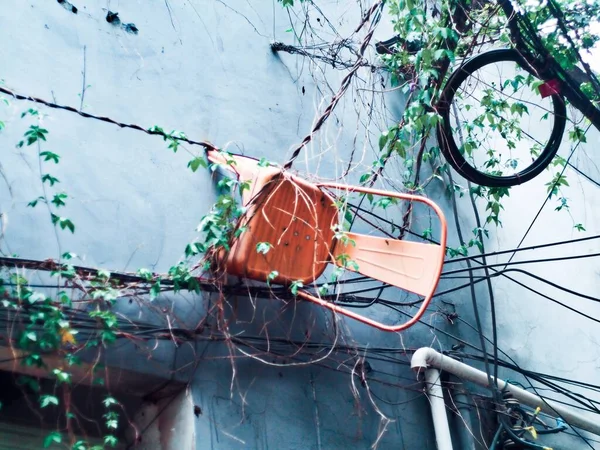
{"type": "Point", "coordinates": [63, 222]}
{"type": "Point", "coordinates": [50, 179]}
{"type": "Point", "coordinates": [563, 204]}
{"type": "Point", "coordinates": [263, 247]}
{"type": "Point", "coordinates": [108, 401]}
{"type": "Point", "coordinates": [155, 290]}
{"type": "Point", "coordinates": [244, 186]}
{"type": "Point", "coordinates": [80, 445]}
{"type": "Point", "coordinates": [554, 185]}
{"type": "Point", "coordinates": [110, 440]}
{"type": "Point", "coordinates": [577, 135]}
{"type": "Point", "coordinates": [35, 134]}
{"type": "Point", "coordinates": [30, 111]}
{"type": "Point", "coordinates": [324, 289]}
{"type": "Point", "coordinates": [31, 383]}
{"type": "Point", "coordinates": [190, 250]}
{"type": "Point", "coordinates": [383, 140]}
{"type": "Point", "coordinates": [156, 130]}
{"type": "Point", "coordinates": [445, 33]}
{"type": "Point", "coordinates": [195, 163]}
{"type": "Point", "coordinates": [519, 109]}
{"type": "Point", "coordinates": [59, 199]}
{"type": "Point", "coordinates": [36, 297]}
{"type": "Point", "coordinates": [145, 274]}
{"type": "Point", "coordinates": [53, 438]}
{"type": "Point", "coordinates": [579, 227]}
{"type": "Point", "coordinates": [49, 156]}
{"type": "Point", "coordinates": [295, 286]}
{"type": "Point", "coordinates": [46, 400]}
{"type": "Point", "coordinates": [272, 276]}
{"type": "Point", "coordinates": [33, 203]}
{"type": "Point", "coordinates": [63, 377]}
{"type": "Point", "coordinates": [66, 223]}
{"type": "Point", "coordinates": [103, 274]}
{"type": "Point", "coordinates": [400, 149]}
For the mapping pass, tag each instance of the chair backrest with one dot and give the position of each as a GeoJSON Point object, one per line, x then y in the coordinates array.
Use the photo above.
{"type": "Point", "coordinates": [289, 233]}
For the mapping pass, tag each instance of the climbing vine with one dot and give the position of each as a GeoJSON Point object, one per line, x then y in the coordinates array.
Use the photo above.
{"type": "Point", "coordinates": [43, 326]}
{"type": "Point", "coordinates": [432, 39]}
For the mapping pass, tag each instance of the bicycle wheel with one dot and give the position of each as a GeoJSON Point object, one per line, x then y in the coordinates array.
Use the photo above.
{"type": "Point", "coordinates": [498, 148]}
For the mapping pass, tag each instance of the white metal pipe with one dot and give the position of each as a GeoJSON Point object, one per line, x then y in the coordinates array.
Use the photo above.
{"type": "Point", "coordinates": [428, 357]}
{"type": "Point", "coordinates": [438, 409]}
{"type": "Point", "coordinates": [465, 424]}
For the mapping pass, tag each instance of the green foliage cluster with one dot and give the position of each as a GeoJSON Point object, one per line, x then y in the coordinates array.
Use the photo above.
{"type": "Point", "coordinates": [48, 329]}
{"type": "Point", "coordinates": [433, 38]}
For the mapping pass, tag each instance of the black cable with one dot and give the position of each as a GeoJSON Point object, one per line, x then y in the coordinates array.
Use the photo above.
{"type": "Point", "coordinates": [475, 257]}
{"type": "Point", "coordinates": [206, 145]}
{"type": "Point", "coordinates": [272, 341]}
{"type": "Point", "coordinates": [543, 280]}
{"type": "Point", "coordinates": [494, 386]}
{"type": "Point", "coordinates": [486, 268]}
{"type": "Point", "coordinates": [451, 150]}
{"type": "Point", "coordinates": [503, 273]}
{"type": "Point", "coordinates": [521, 249]}
{"type": "Point", "coordinates": [586, 176]}
{"type": "Point", "coordinates": [532, 261]}
{"type": "Point", "coordinates": [549, 194]}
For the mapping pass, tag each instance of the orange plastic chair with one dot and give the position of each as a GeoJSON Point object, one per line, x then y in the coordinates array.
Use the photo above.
{"type": "Point", "coordinates": [297, 220]}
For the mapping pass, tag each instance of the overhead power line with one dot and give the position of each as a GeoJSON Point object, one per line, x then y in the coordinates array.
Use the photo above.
{"type": "Point", "coordinates": [205, 144]}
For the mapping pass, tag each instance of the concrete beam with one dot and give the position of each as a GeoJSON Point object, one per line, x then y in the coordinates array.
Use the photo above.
{"type": "Point", "coordinates": [116, 379]}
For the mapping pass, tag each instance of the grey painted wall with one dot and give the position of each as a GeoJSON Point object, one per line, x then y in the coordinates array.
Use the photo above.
{"type": "Point", "coordinates": [205, 67]}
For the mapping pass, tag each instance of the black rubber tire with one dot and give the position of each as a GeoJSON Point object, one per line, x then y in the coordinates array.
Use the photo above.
{"type": "Point", "coordinates": [444, 130]}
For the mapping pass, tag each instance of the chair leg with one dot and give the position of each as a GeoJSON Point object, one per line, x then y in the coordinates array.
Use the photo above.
{"type": "Point", "coordinates": [246, 168]}
{"type": "Point", "coordinates": [355, 316]}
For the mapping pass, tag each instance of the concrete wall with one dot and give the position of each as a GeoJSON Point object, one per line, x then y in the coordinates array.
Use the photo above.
{"type": "Point", "coordinates": [206, 68]}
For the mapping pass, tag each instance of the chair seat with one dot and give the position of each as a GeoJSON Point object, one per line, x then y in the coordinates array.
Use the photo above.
{"type": "Point", "coordinates": [393, 261]}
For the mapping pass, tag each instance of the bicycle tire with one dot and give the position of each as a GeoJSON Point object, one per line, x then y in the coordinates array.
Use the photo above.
{"type": "Point", "coordinates": [448, 145]}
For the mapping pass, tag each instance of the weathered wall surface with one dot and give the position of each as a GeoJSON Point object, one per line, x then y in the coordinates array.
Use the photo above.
{"type": "Point", "coordinates": [206, 68]}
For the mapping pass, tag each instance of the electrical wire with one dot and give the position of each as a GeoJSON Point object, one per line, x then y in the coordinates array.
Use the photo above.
{"type": "Point", "coordinates": [17, 96]}
{"type": "Point", "coordinates": [522, 249]}
{"type": "Point", "coordinates": [272, 343]}
{"type": "Point", "coordinates": [549, 193]}
{"type": "Point", "coordinates": [533, 261]}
